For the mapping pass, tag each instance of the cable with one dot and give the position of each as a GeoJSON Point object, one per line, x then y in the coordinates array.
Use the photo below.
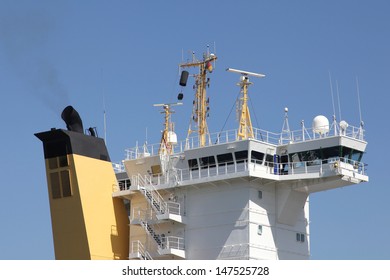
{"type": "Point", "coordinates": [223, 127]}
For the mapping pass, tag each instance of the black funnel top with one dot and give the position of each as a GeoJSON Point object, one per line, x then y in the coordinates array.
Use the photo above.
{"type": "Point", "coordinates": [72, 119]}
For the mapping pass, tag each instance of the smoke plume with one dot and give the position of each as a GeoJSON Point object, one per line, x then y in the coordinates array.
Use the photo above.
{"type": "Point", "coordinates": [25, 40]}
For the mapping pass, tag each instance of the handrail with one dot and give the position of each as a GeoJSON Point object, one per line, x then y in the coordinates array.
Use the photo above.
{"type": "Point", "coordinates": [174, 242]}
{"type": "Point", "coordinates": [138, 247]}
{"type": "Point", "coordinates": [229, 136]}
{"type": "Point", "coordinates": [145, 184]}
{"type": "Point", "coordinates": [288, 168]}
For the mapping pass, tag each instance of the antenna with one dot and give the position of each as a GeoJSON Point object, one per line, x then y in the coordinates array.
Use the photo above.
{"type": "Point", "coordinates": [245, 129]}
{"type": "Point", "coordinates": [285, 129]}
{"type": "Point", "coordinates": [104, 120]}
{"type": "Point", "coordinates": [104, 111]}
{"type": "Point", "coordinates": [167, 134]}
{"type": "Point", "coordinates": [245, 73]}
{"type": "Point", "coordinates": [358, 95]}
{"type": "Point", "coordinates": [331, 92]}
{"type": "Point", "coordinates": [338, 98]}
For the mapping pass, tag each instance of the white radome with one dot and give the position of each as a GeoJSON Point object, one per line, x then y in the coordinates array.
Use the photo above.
{"type": "Point", "coordinates": [321, 125]}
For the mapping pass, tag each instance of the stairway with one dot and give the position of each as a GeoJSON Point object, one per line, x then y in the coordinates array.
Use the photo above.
{"type": "Point", "coordinates": [149, 229]}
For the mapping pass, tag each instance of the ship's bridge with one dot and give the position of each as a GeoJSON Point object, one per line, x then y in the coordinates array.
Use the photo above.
{"type": "Point", "coordinates": [293, 157]}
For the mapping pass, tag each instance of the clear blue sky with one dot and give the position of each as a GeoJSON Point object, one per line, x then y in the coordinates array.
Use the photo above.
{"type": "Point", "coordinates": [55, 53]}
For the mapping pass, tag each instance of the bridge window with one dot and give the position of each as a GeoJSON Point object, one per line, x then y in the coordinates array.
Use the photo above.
{"type": "Point", "coordinates": [206, 162]}
{"type": "Point", "coordinates": [257, 157]}
{"type": "Point", "coordinates": [269, 160]}
{"type": "Point", "coordinates": [193, 164]}
{"type": "Point", "coordinates": [225, 159]}
{"type": "Point", "coordinates": [241, 156]}
{"type": "Point", "coordinates": [316, 156]}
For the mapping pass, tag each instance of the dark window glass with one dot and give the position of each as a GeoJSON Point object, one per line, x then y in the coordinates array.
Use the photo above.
{"type": "Point", "coordinates": [63, 161]}
{"type": "Point", "coordinates": [53, 163]}
{"type": "Point", "coordinates": [193, 164]}
{"type": "Point", "coordinates": [207, 162]}
{"type": "Point", "coordinates": [225, 159]}
{"type": "Point", "coordinates": [269, 160]}
{"type": "Point", "coordinates": [55, 185]}
{"type": "Point", "coordinates": [257, 157]}
{"type": "Point", "coordinates": [65, 183]}
{"type": "Point", "coordinates": [241, 156]}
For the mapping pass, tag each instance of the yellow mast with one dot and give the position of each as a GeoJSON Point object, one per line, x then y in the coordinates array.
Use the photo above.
{"type": "Point", "coordinates": [165, 143]}
{"type": "Point", "coordinates": [245, 129]}
{"type": "Point", "coordinates": [200, 104]}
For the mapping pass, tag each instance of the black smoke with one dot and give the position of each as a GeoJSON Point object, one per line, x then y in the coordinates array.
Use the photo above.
{"type": "Point", "coordinates": [26, 37]}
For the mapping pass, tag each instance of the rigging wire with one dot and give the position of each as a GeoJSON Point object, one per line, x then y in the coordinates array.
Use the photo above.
{"type": "Point", "coordinates": [257, 122]}
{"type": "Point", "coordinates": [223, 127]}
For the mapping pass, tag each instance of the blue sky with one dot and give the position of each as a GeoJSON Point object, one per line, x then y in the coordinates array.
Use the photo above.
{"type": "Point", "coordinates": [125, 54]}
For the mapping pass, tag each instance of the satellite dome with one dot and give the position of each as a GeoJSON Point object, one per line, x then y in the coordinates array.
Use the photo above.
{"type": "Point", "coordinates": [321, 125]}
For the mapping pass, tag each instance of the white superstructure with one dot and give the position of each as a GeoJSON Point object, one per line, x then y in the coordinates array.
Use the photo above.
{"type": "Point", "coordinates": [224, 196]}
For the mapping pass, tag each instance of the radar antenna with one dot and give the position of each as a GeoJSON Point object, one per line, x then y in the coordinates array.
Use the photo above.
{"type": "Point", "coordinates": [168, 133]}
{"type": "Point", "coordinates": [245, 129]}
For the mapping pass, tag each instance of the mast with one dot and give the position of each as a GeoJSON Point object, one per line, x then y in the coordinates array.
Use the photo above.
{"type": "Point", "coordinates": [200, 109]}
{"type": "Point", "coordinates": [168, 132]}
{"type": "Point", "coordinates": [245, 129]}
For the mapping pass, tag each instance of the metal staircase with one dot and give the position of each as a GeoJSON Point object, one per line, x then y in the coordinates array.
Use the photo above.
{"type": "Point", "coordinates": [164, 210]}
{"type": "Point", "coordinates": [160, 211]}
{"type": "Point", "coordinates": [150, 230]}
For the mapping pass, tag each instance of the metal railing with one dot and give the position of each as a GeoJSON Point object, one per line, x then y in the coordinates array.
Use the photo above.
{"type": "Point", "coordinates": [211, 170]}
{"type": "Point", "coordinates": [145, 184]}
{"type": "Point", "coordinates": [229, 136]}
{"type": "Point", "coordinates": [173, 242]}
{"type": "Point", "coordinates": [268, 167]}
{"type": "Point", "coordinates": [138, 248]}
{"type": "Point", "coordinates": [290, 168]}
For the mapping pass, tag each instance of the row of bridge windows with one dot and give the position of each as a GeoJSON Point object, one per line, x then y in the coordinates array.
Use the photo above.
{"type": "Point", "coordinates": [258, 157]}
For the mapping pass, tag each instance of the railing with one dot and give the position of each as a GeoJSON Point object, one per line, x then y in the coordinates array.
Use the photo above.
{"type": "Point", "coordinates": [146, 186]}
{"type": "Point", "coordinates": [315, 166]}
{"type": "Point", "coordinates": [211, 170]}
{"type": "Point", "coordinates": [139, 213]}
{"type": "Point", "coordinates": [268, 167]}
{"type": "Point", "coordinates": [173, 242]}
{"type": "Point", "coordinates": [138, 248]}
{"type": "Point", "coordinates": [291, 168]}
{"type": "Point", "coordinates": [258, 134]}
{"type": "Point", "coordinates": [162, 241]}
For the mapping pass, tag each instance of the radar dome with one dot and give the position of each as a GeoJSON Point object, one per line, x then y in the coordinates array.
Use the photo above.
{"type": "Point", "coordinates": [321, 125]}
{"type": "Point", "coordinates": [172, 138]}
